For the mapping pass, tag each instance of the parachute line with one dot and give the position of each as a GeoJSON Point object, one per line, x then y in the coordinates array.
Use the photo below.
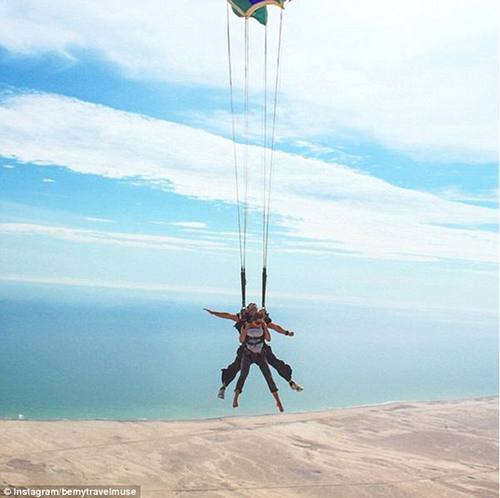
{"type": "Point", "coordinates": [235, 152]}
{"type": "Point", "coordinates": [241, 150]}
{"type": "Point", "coordinates": [246, 139]}
{"type": "Point", "coordinates": [264, 146]}
{"type": "Point", "coordinates": [269, 185]}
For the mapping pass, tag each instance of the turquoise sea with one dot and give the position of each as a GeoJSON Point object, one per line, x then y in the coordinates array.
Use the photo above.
{"type": "Point", "coordinates": [125, 358]}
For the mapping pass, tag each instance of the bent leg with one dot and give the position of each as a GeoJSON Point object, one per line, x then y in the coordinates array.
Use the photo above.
{"type": "Point", "coordinates": [229, 373]}
{"type": "Point", "coordinates": [280, 366]}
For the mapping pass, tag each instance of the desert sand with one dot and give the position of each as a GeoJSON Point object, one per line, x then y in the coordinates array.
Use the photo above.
{"type": "Point", "coordinates": [433, 449]}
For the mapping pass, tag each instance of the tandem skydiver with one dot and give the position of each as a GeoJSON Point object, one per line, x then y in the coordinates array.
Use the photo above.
{"type": "Point", "coordinates": [241, 318]}
{"type": "Point", "coordinates": [252, 337]}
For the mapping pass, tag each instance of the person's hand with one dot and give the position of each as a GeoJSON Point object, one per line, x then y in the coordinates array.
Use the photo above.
{"type": "Point", "coordinates": [290, 333]}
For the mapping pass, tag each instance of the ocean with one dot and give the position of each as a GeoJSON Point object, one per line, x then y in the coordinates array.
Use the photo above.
{"type": "Point", "coordinates": [156, 359]}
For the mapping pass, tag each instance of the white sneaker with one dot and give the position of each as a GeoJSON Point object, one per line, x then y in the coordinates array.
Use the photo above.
{"type": "Point", "coordinates": [222, 391]}
{"type": "Point", "coordinates": [295, 386]}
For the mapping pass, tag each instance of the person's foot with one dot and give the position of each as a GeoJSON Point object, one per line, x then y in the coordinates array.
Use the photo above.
{"type": "Point", "coordinates": [278, 401]}
{"type": "Point", "coordinates": [221, 393]}
{"type": "Point", "coordinates": [295, 386]}
{"type": "Point", "coordinates": [235, 399]}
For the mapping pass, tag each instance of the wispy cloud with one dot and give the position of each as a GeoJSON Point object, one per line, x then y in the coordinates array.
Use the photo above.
{"type": "Point", "coordinates": [48, 180]}
{"type": "Point", "coordinates": [8, 166]}
{"type": "Point", "coordinates": [86, 236]}
{"type": "Point", "coordinates": [216, 291]}
{"type": "Point", "coordinates": [312, 199]}
{"type": "Point", "coordinates": [98, 220]}
{"type": "Point", "coordinates": [457, 194]}
{"type": "Point", "coordinates": [113, 284]}
{"type": "Point", "coordinates": [421, 79]}
{"type": "Point", "coordinates": [189, 225]}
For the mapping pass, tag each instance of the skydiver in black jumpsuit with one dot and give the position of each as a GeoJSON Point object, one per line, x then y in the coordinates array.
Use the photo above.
{"type": "Point", "coordinates": [244, 316]}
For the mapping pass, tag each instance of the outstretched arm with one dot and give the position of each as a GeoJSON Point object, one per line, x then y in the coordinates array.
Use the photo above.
{"type": "Point", "coordinates": [223, 314]}
{"type": "Point", "coordinates": [280, 329]}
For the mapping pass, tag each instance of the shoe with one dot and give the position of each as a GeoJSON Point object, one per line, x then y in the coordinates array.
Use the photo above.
{"type": "Point", "coordinates": [222, 391]}
{"type": "Point", "coordinates": [295, 386]}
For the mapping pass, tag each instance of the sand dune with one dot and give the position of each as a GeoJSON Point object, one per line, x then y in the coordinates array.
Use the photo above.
{"type": "Point", "coordinates": [434, 449]}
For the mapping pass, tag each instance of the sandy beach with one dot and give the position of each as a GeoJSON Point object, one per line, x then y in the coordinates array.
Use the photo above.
{"type": "Point", "coordinates": [433, 449]}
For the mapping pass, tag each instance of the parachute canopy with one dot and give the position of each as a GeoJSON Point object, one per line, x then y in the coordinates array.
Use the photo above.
{"type": "Point", "coordinates": [254, 8]}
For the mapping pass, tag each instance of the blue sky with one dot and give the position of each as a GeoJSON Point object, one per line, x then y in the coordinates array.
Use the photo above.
{"type": "Point", "coordinates": [116, 161]}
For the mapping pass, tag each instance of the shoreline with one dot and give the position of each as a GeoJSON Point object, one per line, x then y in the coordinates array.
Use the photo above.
{"type": "Point", "coordinates": [223, 417]}
{"type": "Point", "coordinates": [436, 449]}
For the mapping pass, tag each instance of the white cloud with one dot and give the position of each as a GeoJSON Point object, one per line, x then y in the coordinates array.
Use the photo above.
{"type": "Point", "coordinates": [189, 224]}
{"type": "Point", "coordinates": [312, 199]}
{"type": "Point", "coordinates": [9, 166]}
{"type": "Point", "coordinates": [211, 291]}
{"type": "Point", "coordinates": [419, 77]}
{"type": "Point", "coordinates": [86, 236]}
{"type": "Point", "coordinates": [48, 180]}
{"type": "Point", "coordinates": [457, 194]}
{"type": "Point", "coordinates": [98, 220]}
{"type": "Point", "coordinates": [113, 284]}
